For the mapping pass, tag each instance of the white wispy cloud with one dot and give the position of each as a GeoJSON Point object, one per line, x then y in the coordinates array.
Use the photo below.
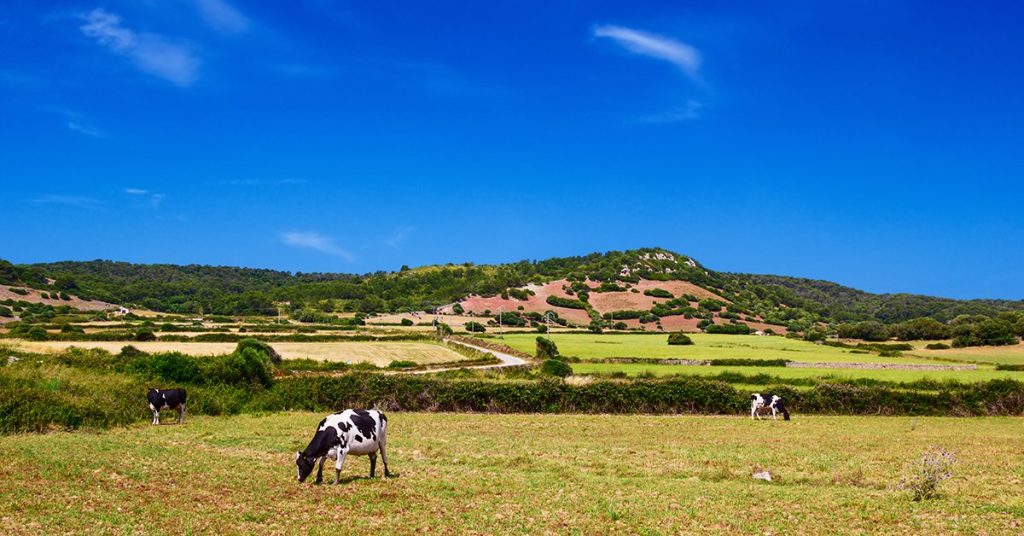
{"type": "Point", "coordinates": [151, 53]}
{"type": "Point", "coordinates": [680, 54]}
{"type": "Point", "coordinates": [84, 128]}
{"type": "Point", "coordinates": [690, 110]}
{"type": "Point", "coordinates": [398, 236]}
{"type": "Point", "coordinates": [78, 201]}
{"type": "Point", "coordinates": [154, 198]}
{"type": "Point", "coordinates": [222, 16]}
{"type": "Point", "coordinates": [315, 241]}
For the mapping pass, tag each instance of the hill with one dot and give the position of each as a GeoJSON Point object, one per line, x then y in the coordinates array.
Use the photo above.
{"type": "Point", "coordinates": [648, 285]}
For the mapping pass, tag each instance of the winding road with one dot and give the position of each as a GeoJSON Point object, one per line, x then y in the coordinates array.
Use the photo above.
{"type": "Point", "coordinates": [507, 360]}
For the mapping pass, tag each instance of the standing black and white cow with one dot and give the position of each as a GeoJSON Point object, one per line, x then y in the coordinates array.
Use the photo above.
{"type": "Point", "coordinates": [774, 403]}
{"type": "Point", "coordinates": [167, 398]}
{"type": "Point", "coordinates": [353, 431]}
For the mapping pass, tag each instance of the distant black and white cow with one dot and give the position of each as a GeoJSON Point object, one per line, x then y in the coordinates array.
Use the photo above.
{"type": "Point", "coordinates": [167, 398]}
{"type": "Point", "coordinates": [774, 404]}
{"type": "Point", "coordinates": [353, 431]}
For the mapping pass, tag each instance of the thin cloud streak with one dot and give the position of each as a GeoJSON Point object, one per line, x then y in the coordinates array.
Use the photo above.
{"type": "Point", "coordinates": [680, 54]}
{"type": "Point", "coordinates": [85, 129]}
{"type": "Point", "coordinates": [399, 236]}
{"type": "Point", "coordinates": [77, 201]}
{"type": "Point", "coordinates": [151, 53]}
{"type": "Point", "coordinates": [135, 191]}
{"type": "Point", "coordinates": [222, 16]}
{"type": "Point", "coordinates": [317, 242]}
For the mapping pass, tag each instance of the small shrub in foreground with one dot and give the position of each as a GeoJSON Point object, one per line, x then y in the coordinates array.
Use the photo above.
{"type": "Point", "coordinates": [555, 367]}
{"type": "Point", "coordinates": [679, 338]}
{"type": "Point", "coordinates": [546, 349]}
{"type": "Point", "coordinates": [923, 477]}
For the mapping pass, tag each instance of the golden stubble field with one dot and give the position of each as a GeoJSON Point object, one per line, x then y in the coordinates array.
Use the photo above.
{"type": "Point", "coordinates": [378, 353]}
{"type": "Point", "coordinates": [519, 474]}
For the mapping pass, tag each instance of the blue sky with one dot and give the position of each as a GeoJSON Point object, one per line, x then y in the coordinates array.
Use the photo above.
{"type": "Point", "coordinates": [876, 144]}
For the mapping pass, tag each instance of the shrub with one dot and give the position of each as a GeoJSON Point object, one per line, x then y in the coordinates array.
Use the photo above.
{"type": "Point", "coordinates": [988, 332]}
{"type": "Point", "coordinates": [475, 327]}
{"type": "Point", "coordinates": [923, 477]}
{"type": "Point", "coordinates": [19, 291]}
{"type": "Point", "coordinates": [520, 293]}
{"type": "Point", "coordinates": [510, 319]}
{"type": "Point", "coordinates": [704, 324]}
{"type": "Point", "coordinates": [620, 326]}
{"type": "Point", "coordinates": [457, 309]}
{"type": "Point", "coordinates": [658, 293]}
{"type": "Point", "coordinates": [937, 346]}
{"type": "Point", "coordinates": [739, 362]}
{"type": "Point", "coordinates": [406, 322]}
{"type": "Point", "coordinates": [546, 349]}
{"type": "Point", "coordinates": [869, 330]}
{"type": "Point", "coordinates": [261, 347]}
{"type": "Point", "coordinates": [248, 367]}
{"type": "Point", "coordinates": [890, 353]}
{"type": "Point", "coordinates": [145, 334]}
{"type": "Point", "coordinates": [555, 367]}
{"type": "Point", "coordinates": [541, 328]}
{"type": "Point", "coordinates": [679, 338]}
{"type": "Point", "coordinates": [398, 364]}
{"type": "Point", "coordinates": [128, 352]}
{"type": "Point", "coordinates": [568, 303]}
{"type": "Point", "coordinates": [923, 329]}
{"type": "Point", "coordinates": [729, 329]}
{"type": "Point", "coordinates": [710, 304]}
{"type": "Point", "coordinates": [6, 311]}
{"type": "Point", "coordinates": [37, 333]}
{"type": "Point", "coordinates": [442, 330]}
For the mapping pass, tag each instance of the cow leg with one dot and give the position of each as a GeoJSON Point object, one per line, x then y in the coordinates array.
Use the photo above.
{"type": "Point", "coordinates": [320, 470]}
{"type": "Point", "coordinates": [774, 412]}
{"type": "Point", "coordinates": [373, 464]}
{"type": "Point", "coordinates": [384, 456]}
{"type": "Point", "coordinates": [181, 414]}
{"type": "Point", "coordinates": [156, 414]}
{"type": "Point", "coordinates": [338, 464]}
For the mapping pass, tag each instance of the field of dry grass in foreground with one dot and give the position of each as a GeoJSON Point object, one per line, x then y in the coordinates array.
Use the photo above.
{"type": "Point", "coordinates": [378, 353]}
{"type": "Point", "coordinates": [536, 474]}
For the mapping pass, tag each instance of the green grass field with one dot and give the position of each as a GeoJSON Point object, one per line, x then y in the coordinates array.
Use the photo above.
{"type": "Point", "coordinates": [587, 346]}
{"type": "Point", "coordinates": [635, 369]}
{"type": "Point", "coordinates": [1009, 355]}
{"type": "Point", "coordinates": [518, 474]}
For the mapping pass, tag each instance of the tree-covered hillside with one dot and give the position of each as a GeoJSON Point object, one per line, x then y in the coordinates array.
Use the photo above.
{"type": "Point", "coordinates": [793, 302]}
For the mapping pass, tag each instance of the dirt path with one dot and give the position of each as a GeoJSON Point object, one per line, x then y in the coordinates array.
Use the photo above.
{"type": "Point", "coordinates": [507, 360]}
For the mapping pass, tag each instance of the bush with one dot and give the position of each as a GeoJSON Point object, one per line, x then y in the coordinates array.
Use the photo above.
{"type": "Point", "coordinates": [890, 353]}
{"type": "Point", "coordinates": [620, 326]}
{"type": "Point", "coordinates": [937, 346]}
{"type": "Point", "coordinates": [568, 303]}
{"type": "Point", "coordinates": [710, 304]}
{"type": "Point", "coordinates": [869, 330]}
{"type": "Point", "coordinates": [923, 477]}
{"type": "Point", "coordinates": [555, 367]}
{"type": "Point", "coordinates": [145, 334]}
{"type": "Point", "coordinates": [541, 328]}
{"type": "Point", "coordinates": [248, 367]}
{"type": "Point", "coordinates": [261, 347]}
{"type": "Point", "coordinates": [739, 362]}
{"type": "Point", "coordinates": [989, 332]}
{"type": "Point", "coordinates": [679, 338]}
{"type": "Point", "coordinates": [442, 330]}
{"type": "Point", "coordinates": [397, 364]}
{"type": "Point", "coordinates": [475, 327]}
{"type": "Point", "coordinates": [920, 329]}
{"type": "Point", "coordinates": [406, 322]}
{"type": "Point", "coordinates": [729, 329]}
{"type": "Point", "coordinates": [704, 323]}
{"type": "Point", "coordinates": [6, 311]}
{"type": "Point", "coordinates": [457, 309]}
{"type": "Point", "coordinates": [658, 293]}
{"type": "Point", "coordinates": [37, 333]}
{"type": "Point", "coordinates": [546, 349]}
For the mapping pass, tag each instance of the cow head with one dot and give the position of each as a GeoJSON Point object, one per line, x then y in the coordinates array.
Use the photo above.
{"type": "Point", "coordinates": [305, 465]}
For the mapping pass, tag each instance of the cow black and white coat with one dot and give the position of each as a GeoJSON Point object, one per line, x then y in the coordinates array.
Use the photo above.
{"type": "Point", "coordinates": [353, 431]}
{"type": "Point", "coordinates": [764, 403]}
{"type": "Point", "coordinates": [166, 398]}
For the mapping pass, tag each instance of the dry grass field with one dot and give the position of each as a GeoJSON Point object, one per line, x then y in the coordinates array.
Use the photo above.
{"type": "Point", "coordinates": [378, 353]}
{"type": "Point", "coordinates": [520, 474]}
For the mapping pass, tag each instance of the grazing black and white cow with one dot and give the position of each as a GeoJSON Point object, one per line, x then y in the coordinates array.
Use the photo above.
{"type": "Point", "coordinates": [167, 398]}
{"type": "Point", "coordinates": [353, 431]}
{"type": "Point", "coordinates": [774, 404]}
